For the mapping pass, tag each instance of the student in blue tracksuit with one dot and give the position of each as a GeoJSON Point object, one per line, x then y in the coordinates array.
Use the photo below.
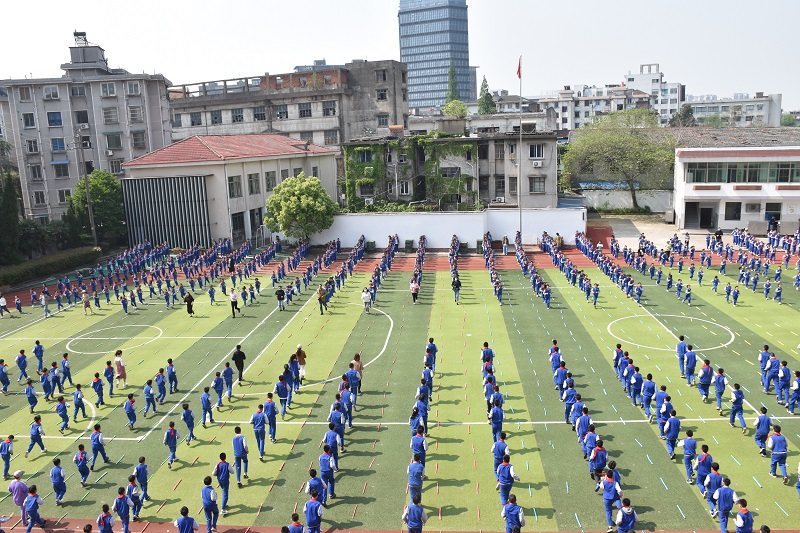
{"type": "Point", "coordinates": [703, 467]}
{"type": "Point", "coordinates": [569, 397]}
{"type": "Point", "coordinates": [422, 407]}
{"type": "Point", "coordinates": [327, 466]}
{"type": "Point", "coordinates": [130, 410]}
{"type": "Point", "coordinates": [672, 429]}
{"type": "Point", "coordinates": [62, 411]}
{"type": "Point", "coordinates": [347, 405]}
{"type": "Point", "coordinates": [31, 506]}
{"type": "Point", "coordinates": [737, 408]}
{"type": "Point", "coordinates": [149, 398]}
{"type": "Point", "coordinates": [705, 376]}
{"type": "Point", "coordinates": [337, 419]}
{"type": "Point", "coordinates": [81, 460]}
{"type": "Point", "coordinates": [710, 485]}
{"type": "Point", "coordinates": [132, 492]}
{"type": "Point", "coordinates": [209, 498]}
{"type": "Point", "coordinates": [222, 471]}
{"type": "Point", "coordinates": [98, 446]}
{"type": "Point", "coordinates": [689, 453]}
{"type": "Point", "coordinates": [648, 391]}
{"type": "Point", "coordinates": [636, 383]}
{"type": "Point", "coordinates": [58, 481]}
{"type": "Point", "coordinates": [122, 506]}
{"type": "Point", "coordinates": [690, 364]}
{"type": "Point", "coordinates": [218, 385]}
{"type": "Point", "coordinates": [142, 474]}
{"type": "Point", "coordinates": [38, 351]}
{"type": "Point", "coordinates": [186, 524]}
{"type": "Point", "coordinates": [315, 484]}
{"type": "Point", "coordinates": [414, 516]}
{"type": "Point", "coordinates": [171, 437]}
{"type": "Point", "coordinates": [725, 498]}
{"type": "Point", "coordinates": [681, 352]}
{"type": "Point", "coordinates": [227, 377]}
{"type": "Point", "coordinates": [777, 445]}
{"type": "Point", "coordinates": [582, 425]}
{"type": "Point", "coordinates": [313, 510]}
{"type": "Point", "coordinates": [496, 417]}
{"type": "Point", "coordinates": [205, 406]}
{"type": "Point", "coordinates": [172, 377]}
{"type": "Point", "coordinates": [36, 435]}
{"type": "Point", "coordinates": [161, 385]}
{"type": "Point", "coordinates": [513, 515]}
{"type": "Point", "coordinates": [499, 450]}
{"type": "Point", "coordinates": [106, 520]}
{"type": "Point", "coordinates": [627, 517]}
{"type": "Point", "coordinates": [663, 415]}
{"type": "Point", "coordinates": [240, 451]}
{"type": "Point", "coordinates": [762, 427]}
{"type": "Point", "coordinates": [419, 445]}
{"type": "Point", "coordinates": [597, 459]}
{"type": "Point", "coordinates": [282, 390]}
{"type": "Point", "coordinates": [259, 423]}
{"type": "Point", "coordinates": [416, 473]}
{"type": "Point", "coordinates": [188, 418]}
{"type": "Point", "coordinates": [505, 478]}
{"type": "Point", "coordinates": [6, 451]}
{"type": "Point", "coordinates": [30, 395]}
{"type": "Point", "coordinates": [271, 412]}
{"type": "Point", "coordinates": [611, 493]}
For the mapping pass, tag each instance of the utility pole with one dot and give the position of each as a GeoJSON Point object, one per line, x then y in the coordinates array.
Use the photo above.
{"type": "Point", "coordinates": [82, 170]}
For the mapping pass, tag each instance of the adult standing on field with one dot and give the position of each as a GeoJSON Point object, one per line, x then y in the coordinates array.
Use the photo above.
{"type": "Point", "coordinates": [19, 491]}
{"type": "Point", "coordinates": [234, 298]}
{"type": "Point", "coordinates": [358, 366]}
{"type": "Point", "coordinates": [238, 360]}
{"type": "Point", "coordinates": [301, 360]}
{"type": "Point", "coordinates": [189, 301]}
{"type": "Point", "coordinates": [414, 287]}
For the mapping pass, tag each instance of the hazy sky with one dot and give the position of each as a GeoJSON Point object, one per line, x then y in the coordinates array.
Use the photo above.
{"type": "Point", "coordinates": [712, 46]}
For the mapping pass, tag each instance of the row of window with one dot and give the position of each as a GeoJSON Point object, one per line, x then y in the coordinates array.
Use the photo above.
{"type": "Point", "coordinates": [536, 185]}
{"type": "Point", "coordinates": [434, 38]}
{"type": "Point", "coordinates": [726, 108]}
{"type": "Point", "coordinates": [110, 116]}
{"type": "Point", "coordinates": [39, 198]}
{"type": "Point", "coordinates": [431, 27]}
{"type": "Point", "coordinates": [254, 181]}
{"type": "Point", "coordinates": [61, 170]}
{"type": "Point", "coordinates": [107, 90]}
{"type": "Point", "coordinates": [113, 142]}
{"type": "Point", "coordinates": [772, 172]}
{"type": "Point", "coordinates": [259, 113]}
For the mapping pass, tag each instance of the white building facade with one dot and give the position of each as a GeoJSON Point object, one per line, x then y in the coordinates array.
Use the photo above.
{"type": "Point", "coordinates": [667, 96]}
{"type": "Point", "coordinates": [739, 111]}
{"type": "Point", "coordinates": [580, 105]}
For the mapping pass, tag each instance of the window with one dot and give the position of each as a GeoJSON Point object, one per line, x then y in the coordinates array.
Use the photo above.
{"type": "Point", "coordinates": [305, 110]}
{"type": "Point", "coordinates": [499, 186]}
{"type": "Point", "coordinates": [281, 111]}
{"type": "Point", "coordinates": [269, 178]}
{"type": "Point", "coordinates": [383, 95]}
{"type": "Point", "coordinates": [253, 183]}
{"type": "Point", "coordinates": [380, 75]}
{"type": "Point", "coordinates": [483, 151]}
{"type": "Point", "coordinates": [365, 156]}
{"type": "Point", "coordinates": [63, 195]}
{"type": "Point", "coordinates": [749, 107]}
{"type": "Point", "coordinates": [237, 224]}
{"type": "Point", "coordinates": [32, 145]}
{"type": "Point", "coordinates": [57, 144]}
{"type": "Point", "coordinates": [307, 136]}
{"type": "Point", "coordinates": [114, 141]}
{"type": "Point", "coordinates": [51, 92]}
{"type": "Point", "coordinates": [499, 151]}
{"type": "Point", "coordinates": [135, 113]}
{"type": "Point", "coordinates": [82, 117]}
{"type": "Point", "coordinates": [88, 167]}
{"type": "Point", "coordinates": [35, 172]}
{"type": "Point", "coordinates": [25, 94]}
{"type": "Point", "coordinates": [296, 171]}
{"type": "Point", "coordinates": [383, 120]}
{"type": "Point", "coordinates": [177, 121]}
{"type": "Point", "coordinates": [450, 172]}
{"type": "Point", "coordinates": [537, 151]}
{"type": "Point", "coordinates": [586, 114]}
{"type": "Point", "coordinates": [759, 107]}
{"type": "Point", "coordinates": [772, 210]}
{"type": "Point", "coordinates": [366, 190]}
{"type": "Point", "coordinates": [138, 140]}
{"type": "Point", "coordinates": [115, 166]}
{"type": "Point", "coordinates": [61, 170]}
{"type": "Point", "coordinates": [216, 117]}
{"type": "Point", "coordinates": [108, 89]}
{"type": "Point", "coordinates": [38, 197]}
{"type": "Point", "coordinates": [577, 114]}
{"type": "Point", "coordinates": [78, 91]}
{"type": "Point", "coordinates": [748, 118]}
{"type": "Point", "coordinates": [405, 187]}
{"type": "Point", "coordinates": [673, 90]}
{"type": "Point", "coordinates": [28, 120]}
{"type": "Point", "coordinates": [110, 115]}
{"type": "Point", "coordinates": [284, 174]}
{"type": "Point", "coordinates": [331, 136]}
{"type": "Point", "coordinates": [237, 115]}
{"type": "Point", "coordinates": [133, 88]}
{"type": "Point", "coordinates": [404, 94]}
{"type": "Point", "coordinates": [536, 184]}
{"type": "Point", "coordinates": [54, 118]}
{"type": "Point", "coordinates": [86, 141]}
{"type": "Point", "coordinates": [329, 108]}
{"type": "Point", "coordinates": [512, 185]}
{"type": "Point", "coordinates": [196, 119]}
{"type": "Point", "coordinates": [390, 187]}
{"type": "Point", "coordinates": [260, 113]}
{"type": "Point", "coordinates": [234, 186]}
{"type": "Point", "coordinates": [315, 171]}
{"type": "Point", "coordinates": [733, 210]}
{"type": "Point", "coordinates": [564, 120]}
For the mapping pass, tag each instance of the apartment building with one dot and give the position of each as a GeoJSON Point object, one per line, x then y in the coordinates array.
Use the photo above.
{"type": "Point", "coordinates": [667, 96]}
{"type": "Point", "coordinates": [580, 105]}
{"type": "Point", "coordinates": [741, 110]}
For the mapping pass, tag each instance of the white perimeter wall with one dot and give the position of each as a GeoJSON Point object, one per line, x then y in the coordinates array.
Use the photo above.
{"type": "Point", "coordinates": [657, 201]}
{"type": "Point", "coordinates": [440, 227]}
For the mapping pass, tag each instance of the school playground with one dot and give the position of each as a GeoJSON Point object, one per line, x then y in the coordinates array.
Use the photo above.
{"type": "Point", "coordinates": [555, 489]}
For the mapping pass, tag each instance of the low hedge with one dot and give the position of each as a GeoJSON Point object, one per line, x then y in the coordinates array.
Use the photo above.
{"type": "Point", "coordinates": [48, 265]}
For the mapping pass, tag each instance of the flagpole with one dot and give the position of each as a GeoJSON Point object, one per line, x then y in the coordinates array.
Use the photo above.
{"type": "Point", "coordinates": [519, 151]}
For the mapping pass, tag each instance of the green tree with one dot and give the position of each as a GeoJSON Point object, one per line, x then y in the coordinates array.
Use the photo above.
{"type": "Point", "coordinates": [713, 121]}
{"type": "Point", "coordinates": [107, 207]}
{"type": "Point", "coordinates": [455, 109]}
{"type": "Point", "coordinates": [452, 85]}
{"type": "Point", "coordinates": [626, 147]}
{"type": "Point", "coordinates": [787, 119]}
{"type": "Point", "coordinates": [32, 238]}
{"type": "Point", "coordinates": [7, 163]}
{"type": "Point", "coordinates": [683, 118]}
{"type": "Point", "coordinates": [9, 221]}
{"type": "Point", "coordinates": [486, 103]}
{"type": "Point", "coordinates": [300, 207]}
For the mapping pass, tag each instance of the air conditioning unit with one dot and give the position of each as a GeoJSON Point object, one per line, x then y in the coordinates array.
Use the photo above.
{"type": "Point", "coordinates": [537, 164]}
{"type": "Point", "coordinates": [84, 126]}
{"type": "Point", "coordinates": [368, 170]}
{"type": "Point", "coordinates": [369, 201]}
{"type": "Point", "coordinates": [500, 199]}
{"type": "Point", "coordinates": [109, 152]}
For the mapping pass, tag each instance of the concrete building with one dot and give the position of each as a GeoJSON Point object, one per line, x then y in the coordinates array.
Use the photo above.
{"type": "Point", "coordinates": [434, 33]}
{"type": "Point", "coordinates": [94, 116]}
{"type": "Point", "coordinates": [668, 97]}
{"type": "Point", "coordinates": [741, 110]}
{"type": "Point", "coordinates": [737, 177]}
{"type": "Point", "coordinates": [474, 125]}
{"type": "Point", "coordinates": [448, 171]}
{"type": "Point", "coordinates": [505, 103]}
{"type": "Point", "coordinates": [579, 105]}
{"type": "Point", "coordinates": [211, 187]}
{"type": "Point", "coordinates": [321, 104]}
{"type": "Point", "coordinates": [3, 104]}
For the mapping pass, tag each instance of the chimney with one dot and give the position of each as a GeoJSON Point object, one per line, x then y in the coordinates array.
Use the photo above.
{"type": "Point", "coordinates": [760, 95]}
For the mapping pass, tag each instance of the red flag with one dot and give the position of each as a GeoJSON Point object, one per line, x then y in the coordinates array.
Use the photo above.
{"type": "Point", "coordinates": [519, 68]}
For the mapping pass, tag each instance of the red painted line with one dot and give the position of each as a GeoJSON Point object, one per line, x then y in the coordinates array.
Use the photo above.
{"type": "Point", "coordinates": [354, 512]}
{"type": "Point", "coordinates": [370, 463]}
{"type": "Point", "coordinates": [387, 382]}
{"type": "Point", "coordinates": [473, 449]}
{"type": "Point", "coordinates": [374, 443]}
{"type": "Point", "coordinates": [479, 514]}
{"type": "Point", "coordinates": [281, 468]}
{"type": "Point", "coordinates": [475, 464]}
{"type": "Point", "coordinates": [437, 488]}
{"type": "Point", "coordinates": [437, 468]}
{"type": "Point", "coordinates": [270, 487]}
{"type": "Point", "coordinates": [469, 430]}
{"type": "Point", "coordinates": [301, 489]}
{"type": "Point", "coordinates": [195, 460]}
{"type": "Point", "coordinates": [259, 509]}
{"type": "Point", "coordinates": [440, 509]}
{"type": "Point", "coordinates": [390, 371]}
{"type": "Point", "coordinates": [393, 361]}
{"type": "Point", "coordinates": [212, 439]}
{"type": "Point", "coordinates": [176, 484]}
{"type": "Point", "coordinates": [437, 444]}
{"type": "Point", "coordinates": [310, 465]}
{"type": "Point", "coordinates": [145, 527]}
{"type": "Point", "coordinates": [260, 372]}
{"type": "Point", "coordinates": [379, 426]}
{"type": "Point", "coordinates": [200, 510]}
{"type": "Point", "coordinates": [477, 486]}
{"type": "Point", "coordinates": [364, 489]}
{"type": "Point", "coordinates": [406, 489]}
{"type": "Point", "coordinates": [163, 504]}
{"type": "Point", "coordinates": [469, 410]}
{"type": "Point", "coordinates": [437, 411]}
{"type": "Point", "coordinates": [381, 410]}
{"type": "Point", "coordinates": [295, 507]}
{"type": "Point", "coordinates": [223, 425]}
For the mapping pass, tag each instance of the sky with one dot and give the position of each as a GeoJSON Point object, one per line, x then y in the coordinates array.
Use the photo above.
{"type": "Point", "coordinates": [712, 46]}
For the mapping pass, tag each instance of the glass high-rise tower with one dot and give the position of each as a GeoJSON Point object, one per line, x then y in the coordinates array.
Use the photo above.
{"type": "Point", "coordinates": [432, 34]}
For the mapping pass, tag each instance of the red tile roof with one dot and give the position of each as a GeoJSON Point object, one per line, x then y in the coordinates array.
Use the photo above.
{"type": "Point", "coordinates": [204, 148]}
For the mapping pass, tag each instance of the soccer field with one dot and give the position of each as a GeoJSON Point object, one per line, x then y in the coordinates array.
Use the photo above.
{"type": "Point", "coordinates": [459, 495]}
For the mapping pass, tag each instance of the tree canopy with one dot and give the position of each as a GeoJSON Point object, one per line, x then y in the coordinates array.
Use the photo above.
{"type": "Point", "coordinates": [486, 103]}
{"type": "Point", "coordinates": [452, 85]}
{"type": "Point", "coordinates": [455, 109]}
{"type": "Point", "coordinates": [626, 147]}
{"type": "Point", "coordinates": [9, 221]}
{"type": "Point", "coordinates": [107, 208]}
{"type": "Point", "coordinates": [300, 207]}
{"type": "Point", "coordinates": [683, 118]}
{"type": "Point", "coordinates": [787, 119]}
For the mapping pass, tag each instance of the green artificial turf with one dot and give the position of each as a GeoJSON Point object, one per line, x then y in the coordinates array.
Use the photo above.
{"type": "Point", "coordinates": [555, 488]}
